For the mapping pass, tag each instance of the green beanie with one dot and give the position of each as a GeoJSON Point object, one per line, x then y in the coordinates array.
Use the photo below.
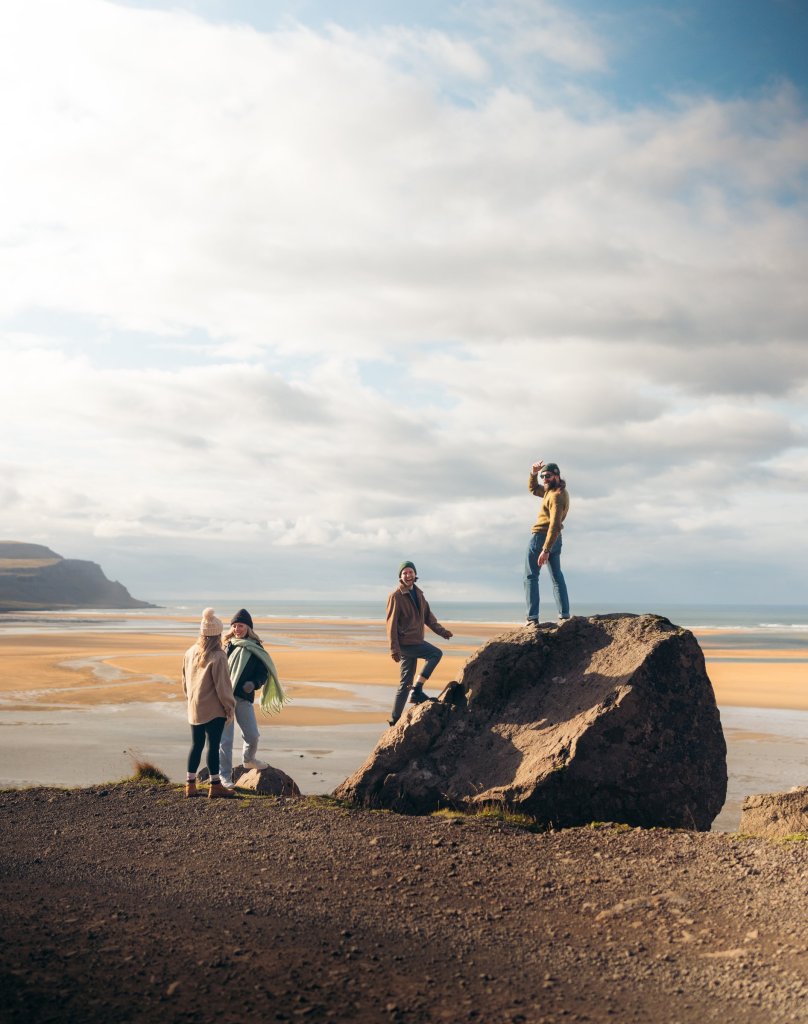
{"type": "Point", "coordinates": [406, 565]}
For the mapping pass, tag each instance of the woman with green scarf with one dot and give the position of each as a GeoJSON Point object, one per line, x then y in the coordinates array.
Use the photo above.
{"type": "Point", "coordinates": [251, 670]}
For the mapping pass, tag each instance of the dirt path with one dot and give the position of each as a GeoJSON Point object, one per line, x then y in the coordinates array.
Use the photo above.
{"type": "Point", "coordinates": [130, 903]}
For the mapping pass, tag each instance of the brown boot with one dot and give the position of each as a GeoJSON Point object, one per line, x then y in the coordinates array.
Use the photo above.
{"type": "Point", "coordinates": [218, 791]}
{"type": "Point", "coordinates": [191, 790]}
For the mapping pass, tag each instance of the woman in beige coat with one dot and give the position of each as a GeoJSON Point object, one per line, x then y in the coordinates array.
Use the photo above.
{"type": "Point", "coordinates": [207, 687]}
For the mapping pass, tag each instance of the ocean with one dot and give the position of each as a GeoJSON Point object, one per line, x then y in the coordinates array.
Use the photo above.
{"type": "Point", "coordinates": [763, 626]}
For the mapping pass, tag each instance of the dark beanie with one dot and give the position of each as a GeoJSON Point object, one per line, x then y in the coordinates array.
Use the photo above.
{"type": "Point", "coordinates": [406, 565]}
{"type": "Point", "coordinates": [242, 615]}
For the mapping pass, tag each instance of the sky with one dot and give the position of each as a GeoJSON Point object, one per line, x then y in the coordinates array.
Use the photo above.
{"type": "Point", "coordinates": [294, 291]}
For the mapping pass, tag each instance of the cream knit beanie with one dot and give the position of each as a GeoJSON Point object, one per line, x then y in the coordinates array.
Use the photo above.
{"type": "Point", "coordinates": [210, 625]}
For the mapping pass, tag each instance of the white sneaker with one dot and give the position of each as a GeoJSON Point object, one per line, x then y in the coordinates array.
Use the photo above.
{"type": "Point", "coordinates": [228, 785]}
{"type": "Point", "coordinates": [256, 764]}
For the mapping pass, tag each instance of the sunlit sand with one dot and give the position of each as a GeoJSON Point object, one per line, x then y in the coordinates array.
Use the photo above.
{"type": "Point", "coordinates": [318, 660]}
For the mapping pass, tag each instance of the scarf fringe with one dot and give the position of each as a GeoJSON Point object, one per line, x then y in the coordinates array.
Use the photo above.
{"type": "Point", "coordinates": [273, 697]}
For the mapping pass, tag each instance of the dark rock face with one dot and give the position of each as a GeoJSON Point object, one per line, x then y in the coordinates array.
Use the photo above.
{"type": "Point", "coordinates": [611, 718]}
{"type": "Point", "coordinates": [33, 577]}
{"type": "Point", "coordinates": [774, 815]}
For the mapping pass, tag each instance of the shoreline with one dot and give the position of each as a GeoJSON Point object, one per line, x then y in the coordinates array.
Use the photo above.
{"type": "Point", "coordinates": [78, 699]}
{"type": "Point", "coordinates": [766, 748]}
{"type": "Point", "coordinates": [69, 667]}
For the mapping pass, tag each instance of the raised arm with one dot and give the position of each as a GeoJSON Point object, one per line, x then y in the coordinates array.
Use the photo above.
{"type": "Point", "coordinates": [533, 483]}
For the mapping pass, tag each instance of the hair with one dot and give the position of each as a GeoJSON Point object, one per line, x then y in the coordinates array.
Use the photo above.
{"type": "Point", "coordinates": [205, 646]}
{"type": "Point", "coordinates": [251, 634]}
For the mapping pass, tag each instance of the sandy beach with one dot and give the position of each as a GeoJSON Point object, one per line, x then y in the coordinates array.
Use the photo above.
{"type": "Point", "coordinates": [88, 669]}
{"type": "Point", "coordinates": [81, 691]}
{"type": "Point", "coordinates": [60, 670]}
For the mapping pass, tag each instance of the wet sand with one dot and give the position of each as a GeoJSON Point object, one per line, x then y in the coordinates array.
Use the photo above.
{"type": "Point", "coordinates": [86, 669]}
{"type": "Point", "coordinates": [89, 669]}
{"type": "Point", "coordinates": [73, 702]}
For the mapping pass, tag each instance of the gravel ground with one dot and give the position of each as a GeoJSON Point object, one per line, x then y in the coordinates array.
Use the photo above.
{"type": "Point", "coordinates": [131, 903]}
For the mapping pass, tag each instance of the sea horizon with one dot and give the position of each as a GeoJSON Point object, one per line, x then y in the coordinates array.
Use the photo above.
{"type": "Point", "coordinates": [764, 624]}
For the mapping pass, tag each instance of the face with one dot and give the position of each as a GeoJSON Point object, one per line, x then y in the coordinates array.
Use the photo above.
{"type": "Point", "coordinates": [239, 630]}
{"type": "Point", "coordinates": [551, 479]}
{"type": "Point", "coordinates": [408, 577]}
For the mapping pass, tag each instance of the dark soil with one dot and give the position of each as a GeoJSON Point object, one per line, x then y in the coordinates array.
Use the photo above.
{"type": "Point", "coordinates": [131, 903]}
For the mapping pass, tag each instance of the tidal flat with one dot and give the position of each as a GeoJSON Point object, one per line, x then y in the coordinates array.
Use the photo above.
{"type": "Point", "coordinates": [80, 692]}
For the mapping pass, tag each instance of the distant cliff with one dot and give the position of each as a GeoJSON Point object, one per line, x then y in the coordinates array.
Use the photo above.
{"type": "Point", "coordinates": [32, 577]}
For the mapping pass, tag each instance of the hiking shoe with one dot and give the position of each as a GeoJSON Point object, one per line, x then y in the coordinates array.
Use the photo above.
{"type": "Point", "coordinates": [191, 790]}
{"type": "Point", "coordinates": [419, 697]}
{"type": "Point", "coordinates": [219, 792]}
{"type": "Point", "coordinates": [564, 618]}
{"type": "Point", "coordinates": [255, 763]}
{"type": "Point", "coordinates": [392, 721]}
{"type": "Point", "coordinates": [532, 622]}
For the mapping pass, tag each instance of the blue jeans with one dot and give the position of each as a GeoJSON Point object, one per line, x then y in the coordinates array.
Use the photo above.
{"type": "Point", "coordinates": [245, 716]}
{"type": "Point", "coordinates": [410, 653]}
{"type": "Point", "coordinates": [556, 575]}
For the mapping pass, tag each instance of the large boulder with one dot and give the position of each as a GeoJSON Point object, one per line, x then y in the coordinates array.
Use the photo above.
{"type": "Point", "coordinates": [610, 718]}
{"type": "Point", "coordinates": [775, 815]}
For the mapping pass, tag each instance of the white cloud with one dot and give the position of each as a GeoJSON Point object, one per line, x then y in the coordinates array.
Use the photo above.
{"type": "Point", "coordinates": [618, 291]}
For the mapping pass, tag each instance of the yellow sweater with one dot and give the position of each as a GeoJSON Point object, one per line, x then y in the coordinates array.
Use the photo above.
{"type": "Point", "coordinates": [553, 511]}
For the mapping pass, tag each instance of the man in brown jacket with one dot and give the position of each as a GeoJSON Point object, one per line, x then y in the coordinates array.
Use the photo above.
{"type": "Point", "coordinates": [407, 614]}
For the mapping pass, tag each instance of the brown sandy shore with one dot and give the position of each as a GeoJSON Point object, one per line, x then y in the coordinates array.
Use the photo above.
{"type": "Point", "coordinates": [131, 903]}
{"type": "Point", "coordinates": [64, 669]}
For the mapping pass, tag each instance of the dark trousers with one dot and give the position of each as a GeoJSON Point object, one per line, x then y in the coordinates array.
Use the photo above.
{"type": "Point", "coordinates": [410, 653]}
{"type": "Point", "coordinates": [212, 732]}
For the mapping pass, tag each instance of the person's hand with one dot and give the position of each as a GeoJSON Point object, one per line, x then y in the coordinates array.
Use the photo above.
{"type": "Point", "coordinates": [395, 656]}
{"type": "Point", "coordinates": [248, 687]}
{"type": "Point", "coordinates": [537, 467]}
{"type": "Point", "coordinates": [543, 558]}
{"type": "Point", "coordinates": [449, 634]}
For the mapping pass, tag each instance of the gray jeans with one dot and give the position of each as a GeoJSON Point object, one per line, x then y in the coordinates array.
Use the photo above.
{"type": "Point", "coordinates": [245, 716]}
{"type": "Point", "coordinates": [410, 653]}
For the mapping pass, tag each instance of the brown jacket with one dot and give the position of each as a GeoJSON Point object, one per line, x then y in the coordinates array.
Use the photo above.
{"type": "Point", "coordinates": [208, 689]}
{"type": "Point", "coordinates": [405, 622]}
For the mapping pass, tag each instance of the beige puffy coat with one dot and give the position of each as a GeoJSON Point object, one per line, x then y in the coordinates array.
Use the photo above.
{"type": "Point", "coordinates": [208, 688]}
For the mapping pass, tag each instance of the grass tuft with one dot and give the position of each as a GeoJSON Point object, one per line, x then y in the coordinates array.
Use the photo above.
{"type": "Point", "coordinates": [146, 772]}
{"type": "Point", "coordinates": [493, 814]}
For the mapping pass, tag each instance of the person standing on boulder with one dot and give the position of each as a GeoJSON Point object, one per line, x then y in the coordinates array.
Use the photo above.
{"type": "Point", "coordinates": [545, 541]}
{"type": "Point", "coordinates": [407, 614]}
{"type": "Point", "coordinates": [206, 685]}
{"type": "Point", "coordinates": [251, 669]}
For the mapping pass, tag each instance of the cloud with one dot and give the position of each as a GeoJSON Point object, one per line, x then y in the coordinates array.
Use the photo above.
{"type": "Point", "coordinates": [526, 28]}
{"type": "Point", "coordinates": [301, 192]}
{"type": "Point", "coordinates": [356, 282]}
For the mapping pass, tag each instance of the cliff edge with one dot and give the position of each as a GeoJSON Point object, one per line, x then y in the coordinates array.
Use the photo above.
{"type": "Point", "coordinates": [34, 578]}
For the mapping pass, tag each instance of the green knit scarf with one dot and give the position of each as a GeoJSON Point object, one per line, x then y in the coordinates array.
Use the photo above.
{"type": "Point", "coordinates": [272, 696]}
